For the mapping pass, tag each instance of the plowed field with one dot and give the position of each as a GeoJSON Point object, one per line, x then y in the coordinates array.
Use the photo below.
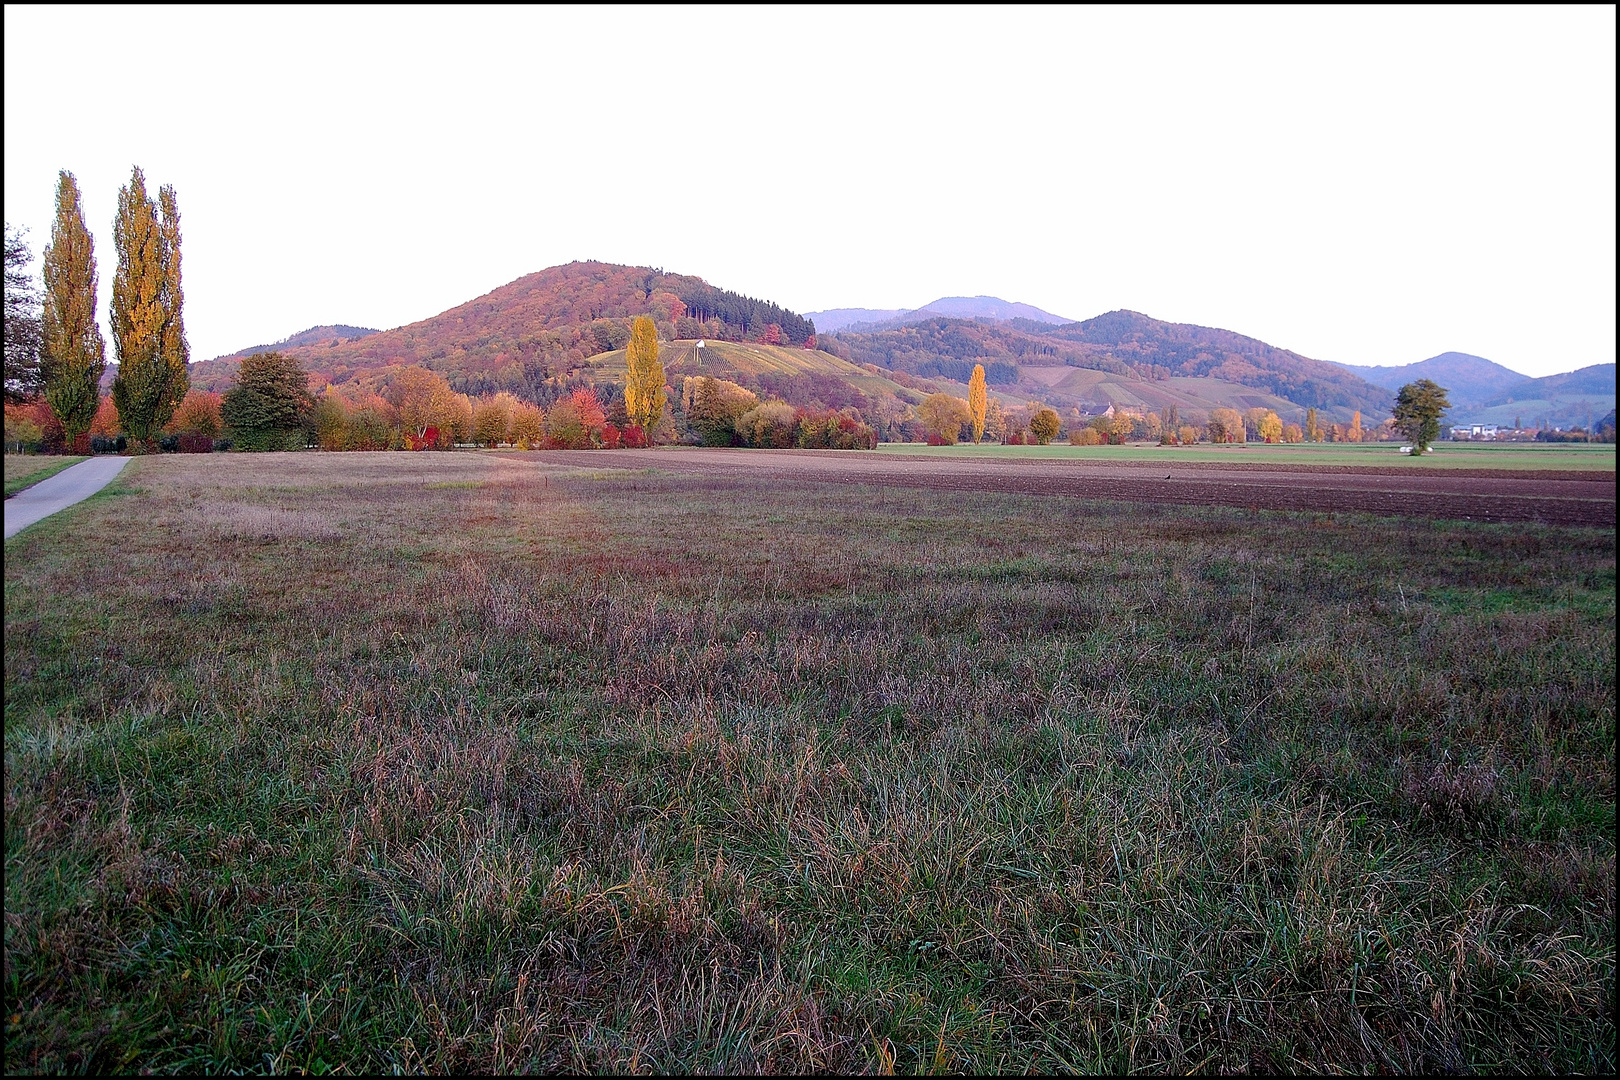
{"type": "Point", "coordinates": [1554, 498]}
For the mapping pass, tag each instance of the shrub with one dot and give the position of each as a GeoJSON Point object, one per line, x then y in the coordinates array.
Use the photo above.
{"type": "Point", "coordinates": [191, 443]}
{"type": "Point", "coordinates": [1085, 436]}
{"type": "Point", "coordinates": [634, 437]}
{"type": "Point", "coordinates": [169, 444]}
{"type": "Point", "coordinates": [222, 445]}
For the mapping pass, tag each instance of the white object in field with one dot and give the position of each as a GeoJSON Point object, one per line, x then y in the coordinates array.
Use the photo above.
{"type": "Point", "coordinates": [700, 344]}
{"type": "Point", "coordinates": [1406, 449]}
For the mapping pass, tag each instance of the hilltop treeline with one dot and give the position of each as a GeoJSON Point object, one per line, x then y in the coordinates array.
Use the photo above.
{"type": "Point", "coordinates": [534, 332]}
{"type": "Point", "coordinates": [744, 316]}
{"type": "Point", "coordinates": [1205, 352]}
{"type": "Point", "coordinates": [940, 346]}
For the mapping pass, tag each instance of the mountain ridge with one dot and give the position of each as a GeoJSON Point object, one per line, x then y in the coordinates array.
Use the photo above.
{"type": "Point", "coordinates": [955, 307]}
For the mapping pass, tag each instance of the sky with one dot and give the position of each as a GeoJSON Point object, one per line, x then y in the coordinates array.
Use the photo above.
{"type": "Point", "coordinates": [1363, 185]}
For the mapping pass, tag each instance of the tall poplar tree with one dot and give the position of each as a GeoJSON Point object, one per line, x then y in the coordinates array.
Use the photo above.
{"type": "Point", "coordinates": [73, 351]}
{"type": "Point", "coordinates": [978, 401]}
{"type": "Point", "coordinates": [644, 381]}
{"type": "Point", "coordinates": [148, 331]}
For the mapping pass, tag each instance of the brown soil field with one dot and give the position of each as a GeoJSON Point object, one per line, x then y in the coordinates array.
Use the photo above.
{"type": "Point", "coordinates": [1562, 498]}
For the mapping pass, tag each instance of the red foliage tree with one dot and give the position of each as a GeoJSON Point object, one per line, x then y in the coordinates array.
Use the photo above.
{"type": "Point", "coordinates": [772, 335]}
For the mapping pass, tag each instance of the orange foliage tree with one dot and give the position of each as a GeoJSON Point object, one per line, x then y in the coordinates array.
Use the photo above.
{"type": "Point", "coordinates": [198, 414]}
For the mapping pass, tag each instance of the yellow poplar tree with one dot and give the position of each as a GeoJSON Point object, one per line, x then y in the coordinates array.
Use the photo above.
{"type": "Point", "coordinates": [148, 332]}
{"type": "Point", "coordinates": [978, 401]}
{"type": "Point", "coordinates": [75, 355]}
{"type": "Point", "coordinates": [1355, 427]}
{"type": "Point", "coordinates": [644, 381]}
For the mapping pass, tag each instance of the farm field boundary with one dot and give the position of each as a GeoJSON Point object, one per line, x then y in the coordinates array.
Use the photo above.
{"type": "Point", "coordinates": [1585, 499]}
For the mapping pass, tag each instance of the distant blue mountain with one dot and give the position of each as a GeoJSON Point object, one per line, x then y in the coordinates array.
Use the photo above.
{"type": "Point", "coordinates": [1469, 380]}
{"type": "Point", "coordinates": [950, 307]}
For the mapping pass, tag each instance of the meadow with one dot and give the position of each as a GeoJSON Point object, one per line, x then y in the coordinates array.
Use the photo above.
{"type": "Point", "coordinates": [1445, 455]}
{"type": "Point", "coordinates": [376, 762]}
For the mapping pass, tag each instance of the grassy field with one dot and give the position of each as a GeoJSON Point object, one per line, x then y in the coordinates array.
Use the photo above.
{"type": "Point", "coordinates": [1447, 455]}
{"type": "Point", "coordinates": [26, 470]}
{"type": "Point", "coordinates": [369, 762]}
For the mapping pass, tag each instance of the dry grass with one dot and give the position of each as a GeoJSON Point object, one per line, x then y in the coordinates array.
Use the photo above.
{"type": "Point", "coordinates": [431, 762]}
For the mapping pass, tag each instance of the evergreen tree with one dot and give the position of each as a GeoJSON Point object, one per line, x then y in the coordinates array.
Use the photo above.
{"type": "Point", "coordinates": [978, 401]}
{"type": "Point", "coordinates": [74, 353]}
{"type": "Point", "coordinates": [22, 376]}
{"type": "Point", "coordinates": [148, 332]}
{"type": "Point", "coordinates": [644, 381]}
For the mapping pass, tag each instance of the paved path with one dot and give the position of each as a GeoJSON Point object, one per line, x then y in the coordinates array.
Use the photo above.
{"type": "Point", "coordinates": [60, 491]}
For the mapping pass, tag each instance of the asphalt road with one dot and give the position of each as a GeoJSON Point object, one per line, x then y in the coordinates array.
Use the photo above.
{"type": "Point", "coordinates": [60, 491]}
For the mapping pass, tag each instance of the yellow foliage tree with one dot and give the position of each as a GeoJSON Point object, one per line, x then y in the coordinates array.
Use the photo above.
{"type": "Point", "coordinates": [1225, 425]}
{"type": "Point", "coordinates": [978, 401]}
{"type": "Point", "coordinates": [492, 419]}
{"type": "Point", "coordinates": [528, 426]}
{"type": "Point", "coordinates": [644, 379]}
{"type": "Point", "coordinates": [943, 415]}
{"type": "Point", "coordinates": [1046, 423]}
{"type": "Point", "coordinates": [1270, 427]}
{"type": "Point", "coordinates": [1355, 427]}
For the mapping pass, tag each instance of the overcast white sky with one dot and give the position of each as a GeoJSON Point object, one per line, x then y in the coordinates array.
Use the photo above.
{"type": "Point", "coordinates": [1372, 186]}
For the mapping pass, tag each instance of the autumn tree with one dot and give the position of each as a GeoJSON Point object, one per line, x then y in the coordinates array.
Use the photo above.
{"type": "Point", "coordinates": [995, 420]}
{"type": "Point", "coordinates": [198, 414]}
{"type": "Point", "coordinates": [977, 402]}
{"type": "Point", "coordinates": [1045, 425]}
{"type": "Point", "coordinates": [268, 407]}
{"type": "Point", "coordinates": [573, 422]}
{"type": "Point", "coordinates": [73, 353]}
{"type": "Point", "coordinates": [943, 416]}
{"type": "Point", "coordinates": [644, 379]}
{"type": "Point", "coordinates": [1418, 408]}
{"type": "Point", "coordinates": [425, 401]}
{"type": "Point", "coordinates": [1270, 427]}
{"type": "Point", "coordinates": [1313, 430]}
{"type": "Point", "coordinates": [1355, 433]}
{"type": "Point", "coordinates": [716, 406]}
{"type": "Point", "coordinates": [1225, 425]}
{"type": "Point", "coordinates": [528, 426]}
{"type": "Point", "coordinates": [23, 330]}
{"type": "Point", "coordinates": [492, 419]}
{"type": "Point", "coordinates": [148, 330]}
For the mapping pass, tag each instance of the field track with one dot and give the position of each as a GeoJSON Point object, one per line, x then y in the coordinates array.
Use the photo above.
{"type": "Point", "coordinates": [1553, 498]}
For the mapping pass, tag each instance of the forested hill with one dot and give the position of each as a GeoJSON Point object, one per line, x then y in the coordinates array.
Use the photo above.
{"type": "Point", "coordinates": [1120, 342]}
{"type": "Point", "coordinates": [541, 327]}
{"type": "Point", "coordinates": [1203, 351]}
{"type": "Point", "coordinates": [1468, 379]}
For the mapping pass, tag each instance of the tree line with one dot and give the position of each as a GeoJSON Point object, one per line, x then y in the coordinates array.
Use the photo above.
{"type": "Point", "coordinates": [57, 355]}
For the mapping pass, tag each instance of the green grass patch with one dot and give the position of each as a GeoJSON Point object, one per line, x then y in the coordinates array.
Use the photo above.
{"type": "Point", "coordinates": [374, 762]}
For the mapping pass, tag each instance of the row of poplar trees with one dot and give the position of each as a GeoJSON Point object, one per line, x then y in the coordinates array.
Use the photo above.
{"type": "Point", "coordinates": [149, 334]}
